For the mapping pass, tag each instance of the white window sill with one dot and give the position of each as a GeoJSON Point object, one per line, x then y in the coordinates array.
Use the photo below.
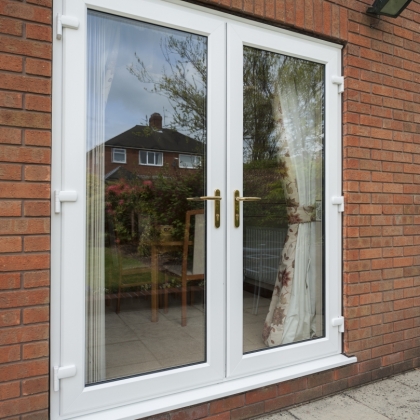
{"type": "Point", "coordinates": [220, 390]}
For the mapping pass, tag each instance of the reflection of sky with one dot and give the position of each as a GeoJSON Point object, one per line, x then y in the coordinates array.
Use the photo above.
{"type": "Point", "coordinates": [128, 102]}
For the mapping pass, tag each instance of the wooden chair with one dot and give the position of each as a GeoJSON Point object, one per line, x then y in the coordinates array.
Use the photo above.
{"type": "Point", "coordinates": [131, 271]}
{"type": "Point", "coordinates": [198, 266]}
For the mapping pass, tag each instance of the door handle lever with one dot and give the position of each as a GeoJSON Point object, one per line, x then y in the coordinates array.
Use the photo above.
{"type": "Point", "coordinates": [248, 198]}
{"type": "Point", "coordinates": [237, 207]}
{"type": "Point", "coordinates": [205, 198]}
{"type": "Point", "coordinates": [216, 198]}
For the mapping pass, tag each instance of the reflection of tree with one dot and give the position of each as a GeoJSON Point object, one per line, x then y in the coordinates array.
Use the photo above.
{"type": "Point", "coordinates": [260, 77]}
{"type": "Point", "coordinates": [183, 81]}
{"type": "Point", "coordinates": [267, 137]}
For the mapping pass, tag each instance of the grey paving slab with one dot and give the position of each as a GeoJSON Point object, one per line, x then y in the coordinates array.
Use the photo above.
{"type": "Point", "coordinates": [283, 415]}
{"type": "Point", "coordinates": [411, 379]}
{"type": "Point", "coordinates": [391, 398]}
{"type": "Point", "coordinates": [396, 398]}
{"type": "Point", "coordinates": [338, 407]}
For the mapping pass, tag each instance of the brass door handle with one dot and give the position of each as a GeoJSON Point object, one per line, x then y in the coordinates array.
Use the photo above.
{"type": "Point", "coordinates": [237, 207]}
{"type": "Point", "coordinates": [216, 198]}
{"type": "Point", "coordinates": [248, 198]}
{"type": "Point", "coordinates": [205, 198]}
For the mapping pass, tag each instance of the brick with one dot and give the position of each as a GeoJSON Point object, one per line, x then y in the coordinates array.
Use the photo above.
{"type": "Point", "coordinates": [320, 378]}
{"type": "Point", "coordinates": [25, 369]}
{"type": "Point", "coordinates": [278, 403]}
{"type": "Point", "coordinates": [25, 118]}
{"type": "Point", "coordinates": [9, 281]}
{"type": "Point", "coordinates": [38, 67]}
{"type": "Point", "coordinates": [35, 315]}
{"type": "Point", "coordinates": [24, 405]}
{"type": "Point", "coordinates": [36, 279]}
{"type": "Point", "coordinates": [9, 354]}
{"type": "Point", "coordinates": [35, 385]}
{"type": "Point", "coordinates": [247, 411]}
{"type": "Point", "coordinates": [25, 190]}
{"type": "Point", "coordinates": [20, 298]}
{"type": "Point", "coordinates": [308, 394]}
{"type": "Point", "coordinates": [38, 32]}
{"type": "Point", "coordinates": [221, 416]}
{"type": "Point", "coordinates": [35, 350]}
{"type": "Point", "coordinates": [25, 84]}
{"type": "Point", "coordinates": [9, 390]}
{"type": "Point", "coordinates": [10, 135]}
{"type": "Point", "coordinates": [38, 103]}
{"type": "Point", "coordinates": [37, 208]}
{"type": "Point", "coordinates": [190, 413]}
{"type": "Point", "coordinates": [24, 154]}
{"type": "Point", "coordinates": [10, 172]}
{"type": "Point", "coordinates": [37, 173]}
{"type": "Point", "coordinates": [226, 404]}
{"type": "Point", "coordinates": [261, 394]}
{"type": "Point", "coordinates": [25, 11]}
{"type": "Point", "coordinates": [37, 243]}
{"type": "Point", "coordinates": [10, 208]}
{"type": "Point", "coordinates": [335, 386]}
{"type": "Point", "coordinates": [10, 26]}
{"type": "Point", "coordinates": [37, 138]}
{"type": "Point", "coordinates": [10, 100]}
{"type": "Point", "coordinates": [10, 244]}
{"type": "Point", "coordinates": [15, 335]}
{"type": "Point", "coordinates": [39, 415]}
{"type": "Point", "coordinates": [9, 318]}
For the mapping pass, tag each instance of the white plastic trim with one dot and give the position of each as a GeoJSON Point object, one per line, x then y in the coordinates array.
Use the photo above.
{"type": "Point", "coordinates": [339, 202]}
{"type": "Point", "coordinates": [338, 80]}
{"type": "Point", "coordinates": [338, 322]}
{"type": "Point", "coordinates": [220, 390]}
{"type": "Point", "coordinates": [62, 373]}
{"type": "Point", "coordinates": [64, 21]}
{"type": "Point", "coordinates": [61, 196]}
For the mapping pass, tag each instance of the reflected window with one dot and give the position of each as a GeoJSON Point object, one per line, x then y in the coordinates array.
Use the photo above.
{"type": "Point", "coordinates": [119, 156]}
{"type": "Point", "coordinates": [151, 158]}
{"type": "Point", "coordinates": [189, 161]}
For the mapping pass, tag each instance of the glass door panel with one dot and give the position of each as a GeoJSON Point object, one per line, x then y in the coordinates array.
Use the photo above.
{"type": "Point", "coordinates": [145, 241]}
{"type": "Point", "coordinates": [283, 154]}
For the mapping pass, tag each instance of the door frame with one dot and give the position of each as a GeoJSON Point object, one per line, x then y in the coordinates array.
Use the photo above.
{"type": "Point", "coordinates": [75, 397]}
{"type": "Point", "coordinates": [131, 407]}
{"type": "Point", "coordinates": [238, 36]}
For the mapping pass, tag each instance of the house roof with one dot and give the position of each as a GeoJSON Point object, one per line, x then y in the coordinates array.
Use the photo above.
{"type": "Point", "coordinates": [148, 138]}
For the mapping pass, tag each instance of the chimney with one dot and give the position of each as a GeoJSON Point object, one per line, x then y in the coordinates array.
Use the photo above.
{"type": "Point", "coordinates": [155, 121]}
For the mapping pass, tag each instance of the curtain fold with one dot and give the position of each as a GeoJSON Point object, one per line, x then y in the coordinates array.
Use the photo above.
{"type": "Point", "coordinates": [103, 42]}
{"type": "Point", "coordinates": [297, 111]}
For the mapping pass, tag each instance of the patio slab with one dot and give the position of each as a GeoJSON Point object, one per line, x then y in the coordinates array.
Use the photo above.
{"type": "Point", "coordinates": [396, 398]}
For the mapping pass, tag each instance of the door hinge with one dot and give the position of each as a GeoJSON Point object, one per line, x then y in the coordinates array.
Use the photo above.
{"type": "Point", "coordinates": [338, 322]}
{"type": "Point", "coordinates": [338, 80]}
{"type": "Point", "coordinates": [64, 21]}
{"type": "Point", "coordinates": [62, 373]}
{"type": "Point", "coordinates": [60, 196]}
{"type": "Point", "coordinates": [338, 201]}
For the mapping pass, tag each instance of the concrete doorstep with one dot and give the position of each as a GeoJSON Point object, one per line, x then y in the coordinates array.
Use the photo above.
{"type": "Point", "coordinates": [396, 398]}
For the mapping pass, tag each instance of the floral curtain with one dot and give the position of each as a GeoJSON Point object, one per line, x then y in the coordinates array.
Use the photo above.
{"type": "Point", "coordinates": [103, 43]}
{"type": "Point", "coordinates": [298, 112]}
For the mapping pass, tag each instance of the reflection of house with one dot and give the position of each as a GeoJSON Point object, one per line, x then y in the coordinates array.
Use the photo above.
{"type": "Point", "coordinates": [145, 149]}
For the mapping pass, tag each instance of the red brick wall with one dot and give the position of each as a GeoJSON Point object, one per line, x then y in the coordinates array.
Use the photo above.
{"type": "Point", "coordinates": [25, 150]}
{"type": "Point", "coordinates": [381, 140]}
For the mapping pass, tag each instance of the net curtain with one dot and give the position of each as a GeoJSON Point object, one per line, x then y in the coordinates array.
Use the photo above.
{"type": "Point", "coordinates": [298, 114]}
{"type": "Point", "coordinates": [103, 42]}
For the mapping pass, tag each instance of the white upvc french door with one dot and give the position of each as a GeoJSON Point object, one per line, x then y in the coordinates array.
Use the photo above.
{"type": "Point", "coordinates": [74, 396]}
{"type": "Point", "coordinates": [284, 45]}
{"type": "Point", "coordinates": [243, 245]}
